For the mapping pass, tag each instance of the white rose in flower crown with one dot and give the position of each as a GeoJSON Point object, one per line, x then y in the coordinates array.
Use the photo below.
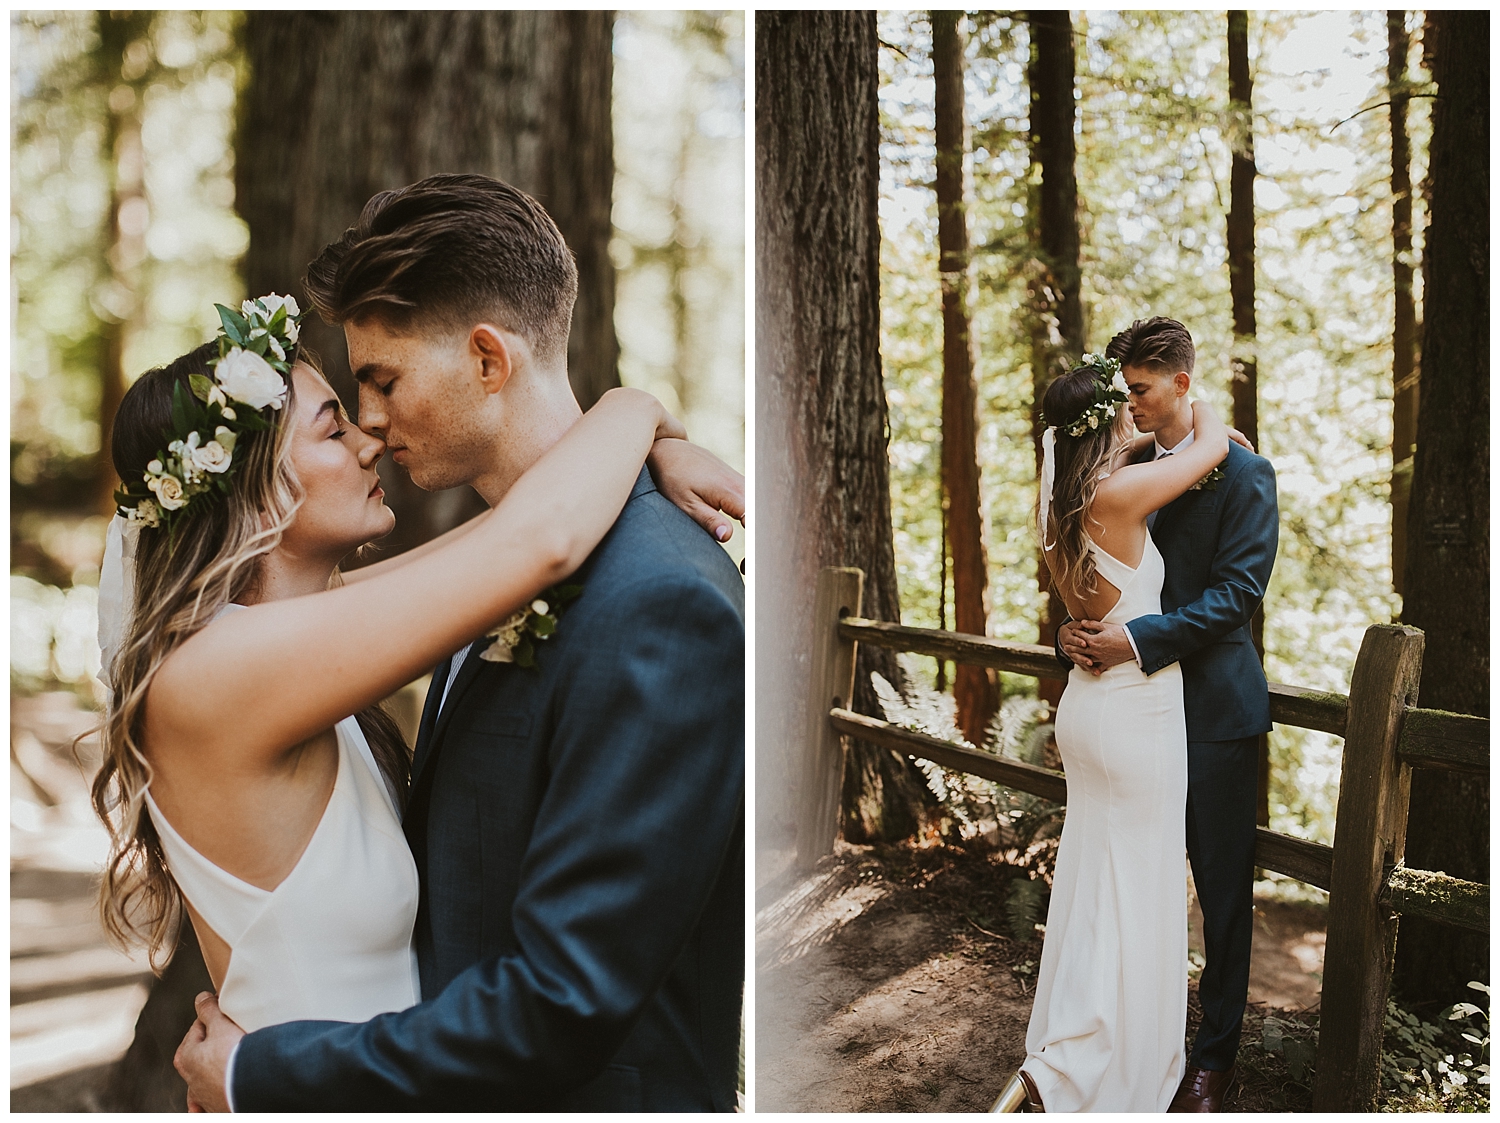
{"type": "Point", "coordinates": [266, 306]}
{"type": "Point", "coordinates": [212, 457]}
{"type": "Point", "coordinates": [1119, 383]}
{"type": "Point", "coordinates": [168, 491]}
{"type": "Point", "coordinates": [248, 378]}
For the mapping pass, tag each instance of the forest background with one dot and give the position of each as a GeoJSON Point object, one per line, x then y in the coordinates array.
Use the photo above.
{"type": "Point", "coordinates": [1153, 178]}
{"type": "Point", "coordinates": [163, 161]}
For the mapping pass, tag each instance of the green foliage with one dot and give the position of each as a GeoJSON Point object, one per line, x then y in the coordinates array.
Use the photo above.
{"type": "Point", "coordinates": [105, 101]}
{"type": "Point", "coordinates": [1425, 1067]}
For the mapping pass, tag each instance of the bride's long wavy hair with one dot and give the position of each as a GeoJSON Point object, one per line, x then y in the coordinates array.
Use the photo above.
{"type": "Point", "coordinates": [1078, 464]}
{"type": "Point", "coordinates": [183, 579]}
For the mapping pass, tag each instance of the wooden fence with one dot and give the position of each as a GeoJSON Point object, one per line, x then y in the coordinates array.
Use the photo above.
{"type": "Point", "coordinates": [1385, 737]}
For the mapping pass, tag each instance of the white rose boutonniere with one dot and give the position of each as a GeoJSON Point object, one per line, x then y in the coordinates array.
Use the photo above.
{"type": "Point", "coordinates": [515, 640]}
{"type": "Point", "coordinates": [1209, 482]}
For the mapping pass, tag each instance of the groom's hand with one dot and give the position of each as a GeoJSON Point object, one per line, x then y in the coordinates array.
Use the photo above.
{"type": "Point", "coordinates": [1071, 637]}
{"type": "Point", "coordinates": [1103, 645]}
{"type": "Point", "coordinates": [204, 1054]}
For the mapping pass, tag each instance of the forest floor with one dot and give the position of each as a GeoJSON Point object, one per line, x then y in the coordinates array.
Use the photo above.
{"type": "Point", "coordinates": [886, 982]}
{"type": "Point", "coordinates": [74, 997]}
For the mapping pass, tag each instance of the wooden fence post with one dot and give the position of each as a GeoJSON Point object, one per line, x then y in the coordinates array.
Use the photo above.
{"type": "Point", "coordinates": [831, 684]}
{"type": "Point", "coordinates": [1370, 836]}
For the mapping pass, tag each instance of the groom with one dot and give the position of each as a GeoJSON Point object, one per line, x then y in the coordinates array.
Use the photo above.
{"type": "Point", "coordinates": [1218, 542]}
{"type": "Point", "coordinates": [578, 825]}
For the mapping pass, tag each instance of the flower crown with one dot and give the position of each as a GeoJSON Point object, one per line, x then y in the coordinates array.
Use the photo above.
{"type": "Point", "coordinates": [1110, 392]}
{"type": "Point", "coordinates": [249, 383]}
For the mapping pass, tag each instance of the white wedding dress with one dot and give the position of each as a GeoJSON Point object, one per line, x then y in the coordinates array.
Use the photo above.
{"type": "Point", "coordinates": [333, 941]}
{"type": "Point", "coordinates": [1110, 1011]}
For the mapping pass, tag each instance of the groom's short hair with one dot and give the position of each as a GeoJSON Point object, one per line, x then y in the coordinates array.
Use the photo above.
{"type": "Point", "coordinates": [449, 252]}
{"type": "Point", "coordinates": [1158, 344]}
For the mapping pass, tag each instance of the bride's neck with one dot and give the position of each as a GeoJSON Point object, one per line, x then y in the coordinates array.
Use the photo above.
{"type": "Point", "coordinates": [282, 576]}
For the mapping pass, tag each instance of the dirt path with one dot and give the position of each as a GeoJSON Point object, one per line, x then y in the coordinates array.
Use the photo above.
{"type": "Point", "coordinates": [884, 983]}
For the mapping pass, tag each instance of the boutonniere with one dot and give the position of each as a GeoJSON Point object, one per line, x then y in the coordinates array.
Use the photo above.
{"type": "Point", "coordinates": [515, 640]}
{"type": "Point", "coordinates": [1209, 482]}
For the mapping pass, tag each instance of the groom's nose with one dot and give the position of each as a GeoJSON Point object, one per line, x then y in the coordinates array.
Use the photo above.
{"type": "Point", "coordinates": [372, 448]}
{"type": "Point", "coordinates": [372, 418]}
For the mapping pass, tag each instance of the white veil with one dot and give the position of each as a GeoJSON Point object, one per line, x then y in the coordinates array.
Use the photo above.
{"type": "Point", "coordinates": [116, 591]}
{"type": "Point", "coordinates": [1049, 475]}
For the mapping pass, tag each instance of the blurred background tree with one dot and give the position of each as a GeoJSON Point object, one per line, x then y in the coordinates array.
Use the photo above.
{"type": "Point", "coordinates": [165, 161]}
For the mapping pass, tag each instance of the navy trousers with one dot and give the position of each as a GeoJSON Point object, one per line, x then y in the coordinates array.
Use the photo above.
{"type": "Point", "coordinates": [1222, 783]}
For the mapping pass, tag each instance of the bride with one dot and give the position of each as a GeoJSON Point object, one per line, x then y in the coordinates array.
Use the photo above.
{"type": "Point", "coordinates": [1108, 1019]}
{"type": "Point", "coordinates": [236, 785]}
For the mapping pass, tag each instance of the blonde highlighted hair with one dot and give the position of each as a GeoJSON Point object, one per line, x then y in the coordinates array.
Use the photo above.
{"type": "Point", "coordinates": [1078, 464]}
{"type": "Point", "coordinates": [183, 580]}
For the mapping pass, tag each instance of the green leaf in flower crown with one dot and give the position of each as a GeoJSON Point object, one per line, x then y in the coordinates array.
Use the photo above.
{"type": "Point", "coordinates": [182, 420]}
{"type": "Point", "coordinates": [202, 386]}
{"type": "Point", "coordinates": [236, 327]}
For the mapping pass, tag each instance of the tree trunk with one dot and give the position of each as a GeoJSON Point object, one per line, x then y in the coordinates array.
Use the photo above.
{"type": "Point", "coordinates": [822, 471]}
{"type": "Point", "coordinates": [1054, 296]}
{"type": "Point", "coordinates": [973, 687]}
{"type": "Point", "coordinates": [341, 105]}
{"type": "Point", "coordinates": [1447, 554]}
{"type": "Point", "coordinates": [1404, 372]}
{"type": "Point", "coordinates": [1242, 361]}
{"type": "Point", "coordinates": [124, 81]}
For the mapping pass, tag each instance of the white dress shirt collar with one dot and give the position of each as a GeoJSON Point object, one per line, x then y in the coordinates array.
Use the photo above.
{"type": "Point", "coordinates": [1178, 447]}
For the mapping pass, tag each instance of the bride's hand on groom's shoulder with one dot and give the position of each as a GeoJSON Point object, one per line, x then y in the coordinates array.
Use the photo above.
{"type": "Point", "coordinates": [701, 484]}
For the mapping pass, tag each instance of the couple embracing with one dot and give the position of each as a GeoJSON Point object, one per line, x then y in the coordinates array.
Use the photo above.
{"type": "Point", "coordinates": [543, 907]}
{"type": "Point", "coordinates": [1161, 546]}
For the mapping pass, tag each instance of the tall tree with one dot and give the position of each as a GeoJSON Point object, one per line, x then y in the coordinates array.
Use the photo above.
{"type": "Point", "coordinates": [1241, 246]}
{"type": "Point", "coordinates": [1054, 289]}
{"type": "Point", "coordinates": [341, 105]}
{"type": "Point", "coordinates": [973, 687]}
{"type": "Point", "coordinates": [1404, 370]}
{"type": "Point", "coordinates": [822, 470]}
{"type": "Point", "coordinates": [1447, 551]}
{"type": "Point", "coordinates": [125, 64]}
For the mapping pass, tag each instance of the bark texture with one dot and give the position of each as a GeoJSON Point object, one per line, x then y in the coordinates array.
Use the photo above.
{"type": "Point", "coordinates": [1448, 556]}
{"type": "Point", "coordinates": [125, 86]}
{"type": "Point", "coordinates": [341, 105]}
{"type": "Point", "coordinates": [1242, 362]}
{"type": "Point", "coordinates": [973, 687]}
{"type": "Point", "coordinates": [1055, 297]}
{"type": "Point", "coordinates": [1405, 376]}
{"type": "Point", "coordinates": [823, 481]}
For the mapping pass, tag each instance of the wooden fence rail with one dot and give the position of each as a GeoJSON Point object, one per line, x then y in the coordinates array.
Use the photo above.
{"type": "Point", "coordinates": [1385, 737]}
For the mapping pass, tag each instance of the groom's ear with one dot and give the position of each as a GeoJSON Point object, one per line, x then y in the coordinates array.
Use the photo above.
{"type": "Point", "coordinates": [1183, 382]}
{"type": "Point", "coordinates": [496, 351]}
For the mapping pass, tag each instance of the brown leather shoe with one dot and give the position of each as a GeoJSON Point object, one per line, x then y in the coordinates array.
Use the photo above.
{"type": "Point", "coordinates": [1202, 1089]}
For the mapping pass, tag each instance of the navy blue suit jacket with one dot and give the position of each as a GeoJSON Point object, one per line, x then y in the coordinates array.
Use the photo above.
{"type": "Point", "coordinates": [1219, 546]}
{"type": "Point", "coordinates": [579, 831]}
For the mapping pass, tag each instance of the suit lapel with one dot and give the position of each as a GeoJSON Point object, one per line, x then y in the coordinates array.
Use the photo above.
{"type": "Point", "coordinates": [430, 713]}
{"type": "Point", "coordinates": [466, 675]}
